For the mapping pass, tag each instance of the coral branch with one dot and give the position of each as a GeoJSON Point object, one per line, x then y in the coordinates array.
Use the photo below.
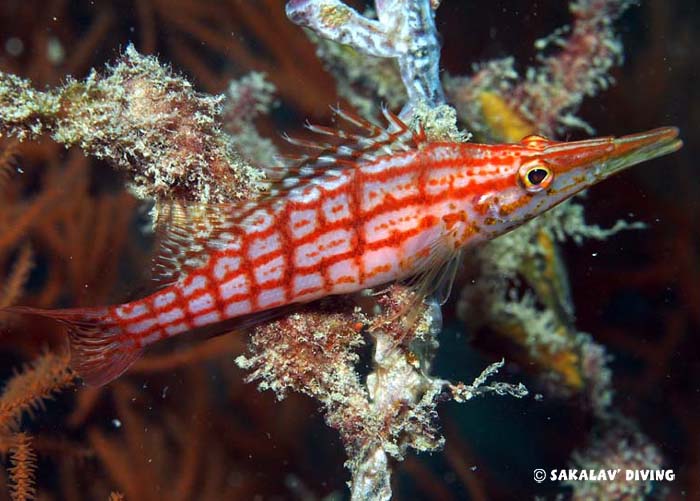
{"type": "Point", "coordinates": [23, 461]}
{"type": "Point", "coordinates": [462, 393]}
{"type": "Point", "coordinates": [141, 118]}
{"type": "Point", "coordinates": [25, 392]}
{"type": "Point", "coordinates": [14, 284]}
{"type": "Point", "coordinates": [550, 94]}
{"type": "Point", "coordinates": [246, 99]}
{"type": "Point", "coordinates": [313, 352]}
{"type": "Point", "coordinates": [16, 229]}
{"type": "Point", "coordinates": [366, 82]}
{"type": "Point", "coordinates": [404, 30]}
{"type": "Point", "coordinates": [540, 319]}
{"type": "Point", "coordinates": [7, 161]}
{"type": "Point", "coordinates": [616, 443]}
{"type": "Point", "coordinates": [210, 349]}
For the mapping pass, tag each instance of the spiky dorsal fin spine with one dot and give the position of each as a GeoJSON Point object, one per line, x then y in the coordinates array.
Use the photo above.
{"type": "Point", "coordinates": [344, 149]}
{"type": "Point", "coordinates": [187, 233]}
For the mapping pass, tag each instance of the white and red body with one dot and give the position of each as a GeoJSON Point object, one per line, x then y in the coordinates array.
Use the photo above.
{"type": "Point", "coordinates": [367, 216]}
{"type": "Point", "coordinates": [341, 233]}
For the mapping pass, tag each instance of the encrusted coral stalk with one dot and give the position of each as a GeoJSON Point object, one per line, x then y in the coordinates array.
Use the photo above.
{"type": "Point", "coordinates": [550, 95]}
{"type": "Point", "coordinates": [575, 62]}
{"type": "Point", "coordinates": [314, 352]}
{"type": "Point", "coordinates": [404, 30]}
{"type": "Point", "coordinates": [143, 119]}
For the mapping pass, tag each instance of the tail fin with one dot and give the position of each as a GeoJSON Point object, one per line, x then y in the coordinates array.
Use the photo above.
{"type": "Point", "coordinates": [99, 351]}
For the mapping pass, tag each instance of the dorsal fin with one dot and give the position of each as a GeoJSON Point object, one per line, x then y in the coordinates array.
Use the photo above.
{"type": "Point", "coordinates": [343, 148]}
{"type": "Point", "coordinates": [186, 232]}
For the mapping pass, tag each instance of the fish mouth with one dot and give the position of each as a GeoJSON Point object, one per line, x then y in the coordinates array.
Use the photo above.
{"type": "Point", "coordinates": [603, 157]}
{"type": "Point", "coordinates": [636, 148]}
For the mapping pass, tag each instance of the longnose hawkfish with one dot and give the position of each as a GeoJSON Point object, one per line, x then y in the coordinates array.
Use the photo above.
{"type": "Point", "coordinates": [368, 208]}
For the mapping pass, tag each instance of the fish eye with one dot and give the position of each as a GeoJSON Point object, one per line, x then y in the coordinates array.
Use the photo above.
{"type": "Point", "coordinates": [535, 176]}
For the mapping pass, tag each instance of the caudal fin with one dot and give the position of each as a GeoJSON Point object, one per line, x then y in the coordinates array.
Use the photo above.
{"type": "Point", "coordinates": [99, 351]}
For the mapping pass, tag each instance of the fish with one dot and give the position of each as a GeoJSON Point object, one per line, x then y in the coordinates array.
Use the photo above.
{"type": "Point", "coordinates": [367, 206]}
